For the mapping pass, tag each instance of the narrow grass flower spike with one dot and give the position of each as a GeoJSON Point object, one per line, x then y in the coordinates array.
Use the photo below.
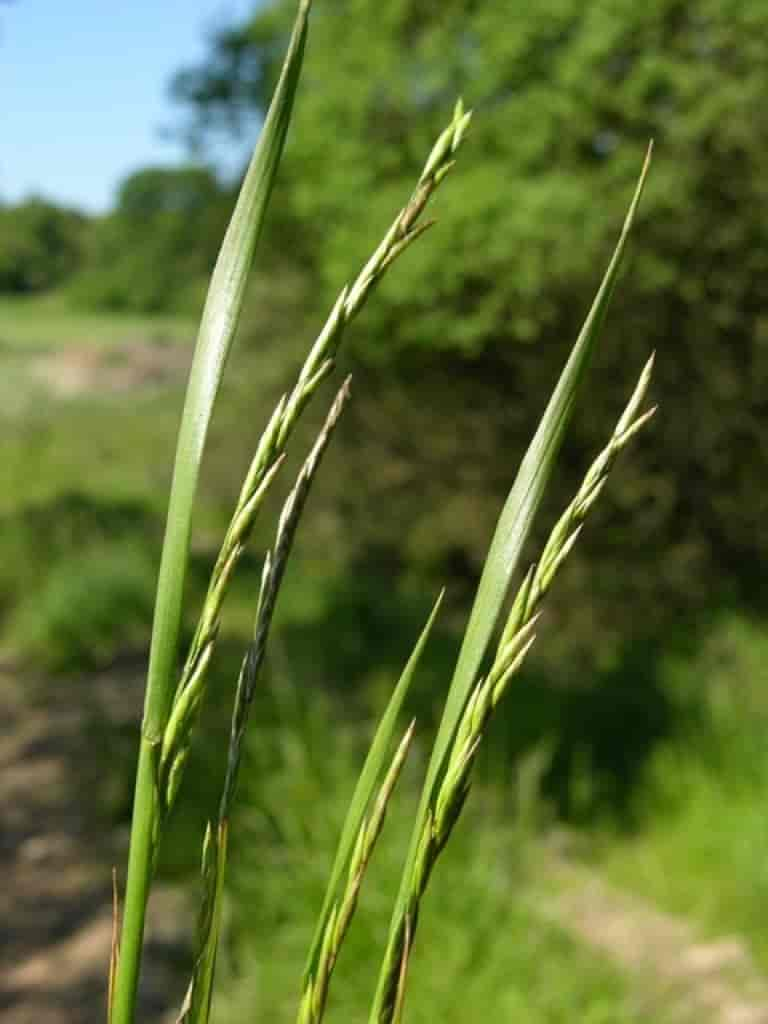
{"type": "Point", "coordinates": [405, 229]}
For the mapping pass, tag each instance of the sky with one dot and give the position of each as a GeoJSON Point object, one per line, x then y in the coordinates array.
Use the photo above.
{"type": "Point", "coordinates": [84, 90]}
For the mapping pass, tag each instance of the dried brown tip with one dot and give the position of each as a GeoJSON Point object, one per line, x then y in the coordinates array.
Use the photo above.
{"type": "Point", "coordinates": [114, 951]}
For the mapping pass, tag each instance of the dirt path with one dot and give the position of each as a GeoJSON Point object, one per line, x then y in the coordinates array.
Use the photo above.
{"type": "Point", "coordinates": [56, 861]}
{"type": "Point", "coordinates": [128, 367]}
{"type": "Point", "coordinates": [695, 982]}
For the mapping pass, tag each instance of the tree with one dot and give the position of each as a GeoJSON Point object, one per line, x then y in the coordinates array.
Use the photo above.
{"type": "Point", "coordinates": [41, 245]}
{"type": "Point", "coordinates": [567, 95]}
{"type": "Point", "coordinates": [156, 249]}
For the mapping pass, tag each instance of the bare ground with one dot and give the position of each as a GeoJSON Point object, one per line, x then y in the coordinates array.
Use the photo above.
{"type": "Point", "coordinates": [694, 981]}
{"type": "Point", "coordinates": [127, 367]}
{"type": "Point", "coordinates": [55, 898]}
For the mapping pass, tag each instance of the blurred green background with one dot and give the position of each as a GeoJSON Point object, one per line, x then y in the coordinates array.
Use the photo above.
{"type": "Point", "coordinates": [633, 746]}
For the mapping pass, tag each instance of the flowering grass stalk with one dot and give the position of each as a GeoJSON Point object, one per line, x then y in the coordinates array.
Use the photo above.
{"type": "Point", "coordinates": [171, 710]}
{"type": "Point", "coordinates": [501, 563]}
{"type": "Point", "coordinates": [405, 229]}
{"type": "Point", "coordinates": [173, 704]}
{"type": "Point", "coordinates": [336, 925]}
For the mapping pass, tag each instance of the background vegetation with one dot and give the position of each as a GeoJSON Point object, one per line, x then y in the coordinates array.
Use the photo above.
{"type": "Point", "coordinates": [644, 711]}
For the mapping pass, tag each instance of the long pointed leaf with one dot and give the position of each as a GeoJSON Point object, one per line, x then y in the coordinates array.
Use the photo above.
{"type": "Point", "coordinates": [517, 516]}
{"type": "Point", "coordinates": [217, 328]}
{"type": "Point", "coordinates": [220, 317]}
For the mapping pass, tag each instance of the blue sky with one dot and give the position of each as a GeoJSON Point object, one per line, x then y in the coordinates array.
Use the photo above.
{"type": "Point", "coordinates": [83, 88]}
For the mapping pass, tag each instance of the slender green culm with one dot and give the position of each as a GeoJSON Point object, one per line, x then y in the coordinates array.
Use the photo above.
{"type": "Point", "coordinates": [219, 321]}
{"type": "Point", "coordinates": [516, 640]}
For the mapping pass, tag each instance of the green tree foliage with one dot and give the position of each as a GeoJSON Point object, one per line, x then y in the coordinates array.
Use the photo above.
{"type": "Point", "coordinates": [41, 245]}
{"type": "Point", "coordinates": [566, 95]}
{"type": "Point", "coordinates": [155, 251]}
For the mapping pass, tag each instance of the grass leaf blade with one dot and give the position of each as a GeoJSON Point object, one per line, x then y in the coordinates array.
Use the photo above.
{"type": "Point", "coordinates": [217, 328]}
{"type": "Point", "coordinates": [220, 317]}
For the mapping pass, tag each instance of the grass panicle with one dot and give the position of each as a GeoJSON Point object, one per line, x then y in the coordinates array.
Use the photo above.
{"type": "Point", "coordinates": [272, 577]}
{"type": "Point", "coordinates": [516, 640]}
{"type": "Point", "coordinates": [405, 229]}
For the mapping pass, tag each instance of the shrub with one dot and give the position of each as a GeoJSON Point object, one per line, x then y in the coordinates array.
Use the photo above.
{"type": "Point", "coordinates": [91, 607]}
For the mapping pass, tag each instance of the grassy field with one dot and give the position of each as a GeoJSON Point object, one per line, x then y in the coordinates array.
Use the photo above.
{"type": "Point", "coordinates": [700, 850]}
{"type": "Point", "coordinates": [83, 480]}
{"type": "Point", "coordinates": [51, 322]}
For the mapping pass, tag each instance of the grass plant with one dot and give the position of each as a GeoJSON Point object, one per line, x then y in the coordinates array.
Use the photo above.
{"type": "Point", "coordinates": [172, 706]}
